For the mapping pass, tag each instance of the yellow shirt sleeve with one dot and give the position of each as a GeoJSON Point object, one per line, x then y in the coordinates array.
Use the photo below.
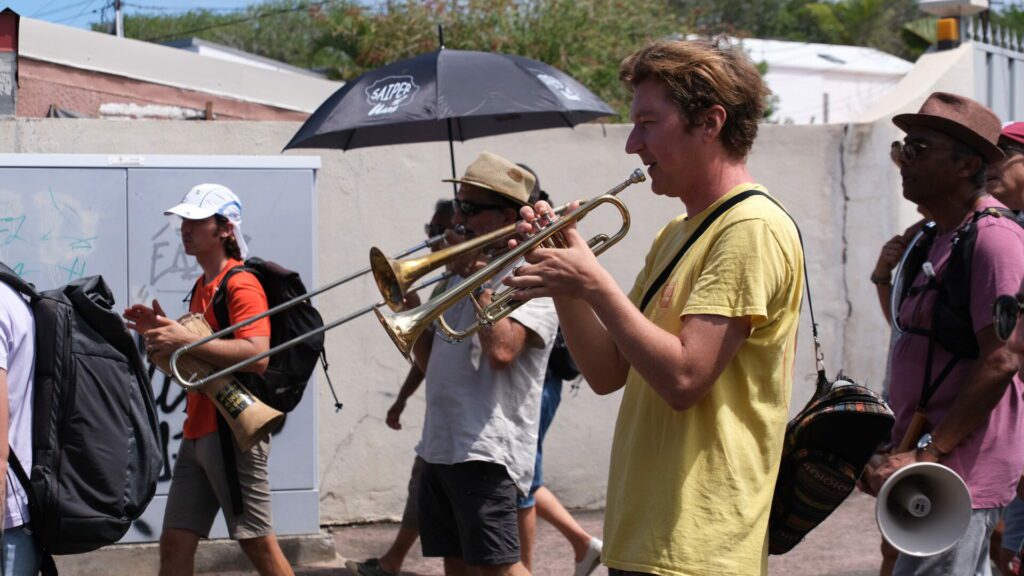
{"type": "Point", "coordinates": [744, 269]}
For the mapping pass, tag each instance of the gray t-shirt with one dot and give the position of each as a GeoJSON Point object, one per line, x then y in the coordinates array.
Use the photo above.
{"type": "Point", "coordinates": [17, 357]}
{"type": "Point", "coordinates": [476, 413]}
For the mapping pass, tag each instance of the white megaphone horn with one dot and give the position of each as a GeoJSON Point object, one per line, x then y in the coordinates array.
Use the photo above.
{"type": "Point", "coordinates": [923, 509]}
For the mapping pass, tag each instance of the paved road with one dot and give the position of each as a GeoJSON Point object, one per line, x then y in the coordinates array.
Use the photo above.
{"type": "Point", "coordinates": [846, 544]}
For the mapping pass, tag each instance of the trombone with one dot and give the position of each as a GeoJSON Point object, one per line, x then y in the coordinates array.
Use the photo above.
{"type": "Point", "coordinates": [404, 328]}
{"type": "Point", "coordinates": [189, 384]}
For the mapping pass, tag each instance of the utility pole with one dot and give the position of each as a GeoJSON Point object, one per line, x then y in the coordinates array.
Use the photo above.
{"type": "Point", "coordinates": [118, 20]}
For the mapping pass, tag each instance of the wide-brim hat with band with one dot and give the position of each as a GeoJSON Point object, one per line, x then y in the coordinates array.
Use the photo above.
{"type": "Point", "coordinates": [494, 173]}
{"type": "Point", "coordinates": [207, 200]}
{"type": "Point", "coordinates": [958, 117]}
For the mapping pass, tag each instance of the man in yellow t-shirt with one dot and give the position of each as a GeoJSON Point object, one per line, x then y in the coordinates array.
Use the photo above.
{"type": "Point", "coordinates": [706, 366]}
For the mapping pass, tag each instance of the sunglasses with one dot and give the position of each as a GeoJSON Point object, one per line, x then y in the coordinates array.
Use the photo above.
{"type": "Point", "coordinates": [910, 151]}
{"type": "Point", "coordinates": [1005, 311]}
{"type": "Point", "coordinates": [906, 151]}
{"type": "Point", "coordinates": [467, 208]}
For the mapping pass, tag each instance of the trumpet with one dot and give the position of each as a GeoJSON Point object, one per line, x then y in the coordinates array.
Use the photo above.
{"type": "Point", "coordinates": [405, 327]}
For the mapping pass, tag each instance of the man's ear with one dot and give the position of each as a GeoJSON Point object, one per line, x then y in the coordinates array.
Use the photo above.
{"type": "Point", "coordinates": [968, 166]}
{"type": "Point", "coordinates": [713, 120]}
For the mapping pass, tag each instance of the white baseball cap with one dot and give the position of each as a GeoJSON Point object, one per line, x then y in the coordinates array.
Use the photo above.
{"type": "Point", "coordinates": [207, 200]}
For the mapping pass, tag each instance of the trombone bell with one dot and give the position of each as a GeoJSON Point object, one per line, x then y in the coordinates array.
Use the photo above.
{"type": "Point", "coordinates": [404, 328]}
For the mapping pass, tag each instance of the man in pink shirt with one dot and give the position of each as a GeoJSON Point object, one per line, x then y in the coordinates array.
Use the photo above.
{"type": "Point", "coordinates": [958, 376]}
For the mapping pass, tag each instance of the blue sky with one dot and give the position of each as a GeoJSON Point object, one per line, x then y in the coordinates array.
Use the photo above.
{"type": "Point", "coordinates": [83, 12]}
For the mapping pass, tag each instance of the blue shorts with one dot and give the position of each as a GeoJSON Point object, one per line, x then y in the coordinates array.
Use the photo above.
{"type": "Point", "coordinates": [550, 398]}
{"type": "Point", "coordinates": [1013, 526]}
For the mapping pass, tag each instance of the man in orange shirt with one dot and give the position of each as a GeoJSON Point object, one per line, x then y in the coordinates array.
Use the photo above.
{"type": "Point", "coordinates": [211, 217]}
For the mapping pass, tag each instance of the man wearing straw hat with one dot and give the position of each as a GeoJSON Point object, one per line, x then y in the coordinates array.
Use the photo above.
{"type": "Point", "coordinates": [483, 396]}
{"type": "Point", "coordinates": [202, 484]}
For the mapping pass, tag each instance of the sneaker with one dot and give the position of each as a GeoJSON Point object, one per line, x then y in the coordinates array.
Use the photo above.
{"type": "Point", "coordinates": [591, 559]}
{"type": "Point", "coordinates": [371, 567]}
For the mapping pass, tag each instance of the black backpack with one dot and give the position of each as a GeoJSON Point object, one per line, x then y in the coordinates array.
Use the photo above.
{"type": "Point", "coordinates": [951, 322]}
{"type": "Point", "coordinates": [95, 438]}
{"type": "Point", "coordinates": [288, 371]}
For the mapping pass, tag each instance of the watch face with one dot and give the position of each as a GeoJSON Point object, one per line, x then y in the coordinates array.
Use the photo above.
{"type": "Point", "coordinates": [924, 441]}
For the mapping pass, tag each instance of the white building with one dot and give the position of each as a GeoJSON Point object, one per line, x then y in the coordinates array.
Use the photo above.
{"type": "Point", "coordinates": [824, 83]}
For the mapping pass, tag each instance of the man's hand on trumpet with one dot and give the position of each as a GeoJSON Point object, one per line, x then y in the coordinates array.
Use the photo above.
{"type": "Point", "coordinates": [571, 271]}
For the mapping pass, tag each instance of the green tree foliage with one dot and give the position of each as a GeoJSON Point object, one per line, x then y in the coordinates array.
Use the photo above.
{"type": "Point", "coordinates": [585, 38]}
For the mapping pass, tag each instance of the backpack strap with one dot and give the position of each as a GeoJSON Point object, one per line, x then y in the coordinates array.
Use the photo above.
{"type": "Point", "coordinates": [220, 297]}
{"type": "Point", "coordinates": [227, 448]}
{"type": "Point", "coordinates": [47, 567]}
{"type": "Point", "coordinates": [12, 279]}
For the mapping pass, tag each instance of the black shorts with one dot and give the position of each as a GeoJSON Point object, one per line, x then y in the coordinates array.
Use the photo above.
{"type": "Point", "coordinates": [468, 511]}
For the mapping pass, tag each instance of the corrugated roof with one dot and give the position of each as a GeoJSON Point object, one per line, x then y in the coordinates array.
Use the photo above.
{"type": "Point", "coordinates": [824, 57]}
{"type": "Point", "coordinates": [87, 50]}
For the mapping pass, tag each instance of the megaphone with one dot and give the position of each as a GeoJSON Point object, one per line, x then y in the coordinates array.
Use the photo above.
{"type": "Point", "coordinates": [923, 509]}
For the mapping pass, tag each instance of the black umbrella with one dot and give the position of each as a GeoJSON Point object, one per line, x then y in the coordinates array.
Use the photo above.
{"type": "Point", "coordinates": [448, 95]}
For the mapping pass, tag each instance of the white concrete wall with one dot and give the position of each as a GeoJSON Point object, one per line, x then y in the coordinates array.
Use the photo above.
{"type": "Point", "coordinates": [800, 94]}
{"type": "Point", "coordinates": [837, 182]}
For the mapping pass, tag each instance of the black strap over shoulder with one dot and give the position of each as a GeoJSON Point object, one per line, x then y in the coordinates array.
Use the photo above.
{"type": "Point", "coordinates": [722, 209]}
{"type": "Point", "coordinates": [823, 385]}
{"type": "Point", "coordinates": [11, 278]}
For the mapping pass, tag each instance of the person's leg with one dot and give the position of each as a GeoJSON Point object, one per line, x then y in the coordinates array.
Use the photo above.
{"type": "Point", "coordinates": [551, 511]}
{"type": "Point", "coordinates": [516, 569]}
{"type": "Point", "coordinates": [178, 552]}
{"type": "Point", "coordinates": [1013, 533]}
{"type": "Point", "coordinates": [483, 502]}
{"type": "Point", "coordinates": [438, 527]}
{"type": "Point", "coordinates": [18, 555]}
{"type": "Point", "coordinates": [188, 514]}
{"type": "Point", "coordinates": [253, 528]}
{"type": "Point", "coordinates": [457, 567]}
{"type": "Point", "coordinates": [527, 520]}
{"type": "Point", "coordinates": [409, 532]}
{"type": "Point", "coordinates": [969, 557]}
{"type": "Point", "coordinates": [995, 544]}
{"type": "Point", "coordinates": [266, 556]}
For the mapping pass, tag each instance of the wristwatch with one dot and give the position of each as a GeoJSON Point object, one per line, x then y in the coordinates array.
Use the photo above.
{"type": "Point", "coordinates": [925, 444]}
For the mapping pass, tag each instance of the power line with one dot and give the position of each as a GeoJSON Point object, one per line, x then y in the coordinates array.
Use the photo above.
{"type": "Point", "coordinates": [83, 12]}
{"type": "Point", "coordinates": [180, 8]}
{"type": "Point", "coordinates": [44, 7]}
{"type": "Point", "coordinates": [278, 12]}
{"type": "Point", "coordinates": [62, 8]}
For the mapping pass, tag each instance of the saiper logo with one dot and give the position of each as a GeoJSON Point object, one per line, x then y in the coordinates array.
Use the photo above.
{"type": "Point", "coordinates": [556, 85]}
{"type": "Point", "coordinates": [385, 95]}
